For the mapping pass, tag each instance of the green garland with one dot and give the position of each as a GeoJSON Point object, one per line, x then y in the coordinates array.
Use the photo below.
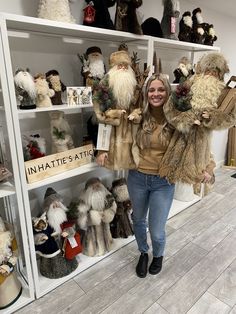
{"type": "Point", "coordinates": [103, 94]}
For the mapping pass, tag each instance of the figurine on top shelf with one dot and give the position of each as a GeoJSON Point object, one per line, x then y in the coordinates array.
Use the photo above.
{"type": "Point", "coordinates": [185, 27]}
{"type": "Point", "coordinates": [152, 27]}
{"type": "Point", "coordinates": [93, 66]}
{"type": "Point", "coordinates": [57, 10]}
{"type": "Point", "coordinates": [56, 84]}
{"type": "Point", "coordinates": [169, 19]}
{"type": "Point", "coordinates": [43, 92]}
{"type": "Point", "coordinates": [126, 16]}
{"type": "Point", "coordinates": [96, 13]}
{"type": "Point", "coordinates": [61, 132]}
{"type": "Point", "coordinates": [25, 89]}
{"type": "Point", "coordinates": [210, 36]}
{"type": "Point", "coordinates": [198, 32]}
{"type": "Point", "coordinates": [96, 209]}
{"type": "Point", "coordinates": [184, 70]}
{"type": "Point", "coordinates": [10, 286]}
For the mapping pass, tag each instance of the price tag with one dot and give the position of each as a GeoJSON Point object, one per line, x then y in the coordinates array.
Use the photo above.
{"type": "Point", "coordinates": [73, 242]}
{"type": "Point", "coordinates": [103, 139]}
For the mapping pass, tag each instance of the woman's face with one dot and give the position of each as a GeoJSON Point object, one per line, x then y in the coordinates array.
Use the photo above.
{"type": "Point", "coordinates": [157, 94]}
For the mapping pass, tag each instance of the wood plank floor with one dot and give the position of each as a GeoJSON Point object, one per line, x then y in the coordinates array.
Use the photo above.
{"type": "Point", "coordinates": [198, 276]}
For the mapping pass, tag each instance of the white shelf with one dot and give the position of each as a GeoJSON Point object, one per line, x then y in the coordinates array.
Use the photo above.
{"type": "Point", "coordinates": [63, 107]}
{"type": "Point", "coordinates": [6, 189]}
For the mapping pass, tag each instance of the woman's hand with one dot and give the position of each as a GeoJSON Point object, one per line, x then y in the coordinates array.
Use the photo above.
{"type": "Point", "coordinates": [206, 177]}
{"type": "Point", "coordinates": [206, 115]}
{"type": "Point", "coordinates": [100, 160]}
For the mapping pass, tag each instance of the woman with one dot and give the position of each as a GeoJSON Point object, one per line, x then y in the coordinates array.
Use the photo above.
{"type": "Point", "coordinates": [148, 191]}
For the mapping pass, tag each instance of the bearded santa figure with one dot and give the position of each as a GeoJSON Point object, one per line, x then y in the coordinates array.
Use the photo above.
{"type": "Point", "coordinates": [114, 104]}
{"type": "Point", "coordinates": [25, 89]}
{"type": "Point", "coordinates": [43, 92]}
{"type": "Point", "coordinates": [96, 209]}
{"type": "Point", "coordinates": [93, 67]}
{"type": "Point", "coordinates": [10, 286]}
{"type": "Point", "coordinates": [56, 84]}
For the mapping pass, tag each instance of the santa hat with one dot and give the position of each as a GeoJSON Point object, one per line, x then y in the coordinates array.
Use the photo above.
{"type": "Point", "coordinates": [119, 57]}
{"type": "Point", "coordinates": [152, 27]}
{"type": "Point", "coordinates": [214, 61]}
{"type": "Point", "coordinates": [93, 49]}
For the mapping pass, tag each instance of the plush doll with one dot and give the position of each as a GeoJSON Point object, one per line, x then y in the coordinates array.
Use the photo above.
{"type": "Point", "coordinates": [198, 32]}
{"type": "Point", "coordinates": [56, 84]}
{"type": "Point", "coordinates": [10, 286]}
{"type": "Point", "coordinates": [185, 27]}
{"type": "Point", "coordinates": [96, 209]}
{"type": "Point", "coordinates": [60, 132]}
{"type": "Point", "coordinates": [184, 70]}
{"type": "Point", "coordinates": [169, 19]}
{"type": "Point", "coordinates": [43, 92]}
{"type": "Point", "coordinates": [126, 17]}
{"type": "Point", "coordinates": [25, 89]}
{"type": "Point", "coordinates": [152, 27]}
{"type": "Point", "coordinates": [210, 36]}
{"type": "Point", "coordinates": [93, 66]}
{"type": "Point", "coordinates": [96, 13]}
{"type": "Point", "coordinates": [189, 153]}
{"type": "Point", "coordinates": [121, 226]}
{"type": "Point", "coordinates": [57, 10]}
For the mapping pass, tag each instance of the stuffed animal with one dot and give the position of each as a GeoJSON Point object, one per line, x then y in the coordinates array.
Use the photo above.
{"type": "Point", "coordinates": [185, 27]}
{"type": "Point", "coordinates": [210, 36]}
{"type": "Point", "coordinates": [57, 10]}
{"type": "Point", "coordinates": [56, 84]}
{"type": "Point", "coordinates": [96, 209]}
{"type": "Point", "coordinates": [25, 89]}
{"type": "Point", "coordinates": [169, 19]}
{"type": "Point", "coordinates": [96, 13]}
{"type": "Point", "coordinates": [121, 226]}
{"type": "Point", "coordinates": [184, 70]}
{"type": "Point", "coordinates": [60, 132]}
{"type": "Point", "coordinates": [198, 32]}
{"type": "Point", "coordinates": [126, 17]}
{"type": "Point", "coordinates": [10, 286]}
{"type": "Point", "coordinates": [43, 92]}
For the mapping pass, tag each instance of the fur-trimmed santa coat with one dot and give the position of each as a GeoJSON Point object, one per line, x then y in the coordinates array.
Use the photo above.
{"type": "Point", "coordinates": [189, 152]}
{"type": "Point", "coordinates": [123, 151]}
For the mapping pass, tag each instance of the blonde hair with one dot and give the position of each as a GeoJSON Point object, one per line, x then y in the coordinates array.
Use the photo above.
{"type": "Point", "coordinates": [149, 123]}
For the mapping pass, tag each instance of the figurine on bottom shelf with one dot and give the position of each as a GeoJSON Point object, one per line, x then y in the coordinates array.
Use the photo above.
{"type": "Point", "coordinates": [43, 92]}
{"type": "Point", "coordinates": [53, 264]}
{"type": "Point", "coordinates": [169, 19]}
{"type": "Point", "coordinates": [10, 286]}
{"type": "Point", "coordinates": [184, 70]}
{"type": "Point", "coordinates": [34, 147]}
{"type": "Point", "coordinates": [56, 84]}
{"type": "Point", "coordinates": [121, 226]}
{"type": "Point", "coordinates": [60, 132]}
{"type": "Point", "coordinates": [57, 10]}
{"type": "Point", "coordinates": [25, 89]}
{"type": "Point", "coordinates": [96, 209]}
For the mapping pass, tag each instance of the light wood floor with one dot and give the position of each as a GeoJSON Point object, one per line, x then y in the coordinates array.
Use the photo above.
{"type": "Point", "coordinates": [198, 276]}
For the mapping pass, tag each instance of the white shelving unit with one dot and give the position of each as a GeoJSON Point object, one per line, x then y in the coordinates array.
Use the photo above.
{"type": "Point", "coordinates": [42, 45]}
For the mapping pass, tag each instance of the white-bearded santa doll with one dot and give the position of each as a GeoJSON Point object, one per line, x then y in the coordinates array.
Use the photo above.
{"type": "Point", "coordinates": [25, 89]}
{"type": "Point", "coordinates": [96, 209]}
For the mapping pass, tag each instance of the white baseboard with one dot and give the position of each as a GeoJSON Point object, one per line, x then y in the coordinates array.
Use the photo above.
{"type": "Point", "coordinates": [220, 163]}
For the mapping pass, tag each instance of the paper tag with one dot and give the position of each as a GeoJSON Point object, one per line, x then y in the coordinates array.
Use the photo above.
{"type": "Point", "coordinates": [103, 139]}
{"type": "Point", "coordinates": [73, 242]}
{"type": "Point", "coordinates": [172, 24]}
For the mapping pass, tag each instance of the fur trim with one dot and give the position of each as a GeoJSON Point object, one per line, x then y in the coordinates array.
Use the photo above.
{"type": "Point", "coordinates": [5, 244]}
{"type": "Point", "coordinates": [96, 217]}
{"type": "Point", "coordinates": [56, 216]}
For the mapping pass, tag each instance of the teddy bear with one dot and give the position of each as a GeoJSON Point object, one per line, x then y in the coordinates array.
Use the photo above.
{"type": "Point", "coordinates": [210, 36]}
{"type": "Point", "coordinates": [185, 27]}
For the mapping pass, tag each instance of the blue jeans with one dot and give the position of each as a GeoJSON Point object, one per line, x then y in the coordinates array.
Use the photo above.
{"type": "Point", "coordinates": [150, 192]}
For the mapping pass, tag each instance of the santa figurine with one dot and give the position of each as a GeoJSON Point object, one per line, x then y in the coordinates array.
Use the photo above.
{"type": "Point", "coordinates": [56, 84]}
{"type": "Point", "coordinates": [96, 209]}
{"type": "Point", "coordinates": [43, 92]}
{"type": "Point", "coordinates": [93, 67]}
{"type": "Point", "coordinates": [57, 10]}
{"type": "Point", "coordinates": [25, 89]}
{"type": "Point", "coordinates": [121, 226]}
{"type": "Point", "coordinates": [184, 71]}
{"type": "Point", "coordinates": [10, 286]}
{"type": "Point", "coordinates": [115, 104]}
{"type": "Point", "coordinates": [169, 19]}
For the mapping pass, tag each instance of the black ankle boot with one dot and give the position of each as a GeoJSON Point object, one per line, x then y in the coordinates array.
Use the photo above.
{"type": "Point", "coordinates": [141, 268]}
{"type": "Point", "coordinates": [156, 265]}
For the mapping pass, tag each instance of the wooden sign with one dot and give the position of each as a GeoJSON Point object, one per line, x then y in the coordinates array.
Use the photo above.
{"type": "Point", "coordinates": [44, 167]}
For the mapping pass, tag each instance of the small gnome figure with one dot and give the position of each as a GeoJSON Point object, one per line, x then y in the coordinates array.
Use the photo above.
{"type": "Point", "coordinates": [96, 209]}
{"type": "Point", "coordinates": [169, 19]}
{"type": "Point", "coordinates": [25, 89]}
{"type": "Point", "coordinates": [210, 36]}
{"type": "Point", "coordinates": [93, 66]}
{"type": "Point", "coordinates": [126, 16]}
{"type": "Point", "coordinates": [10, 286]}
{"type": "Point", "coordinates": [56, 84]}
{"type": "Point", "coordinates": [57, 10]}
{"type": "Point", "coordinates": [43, 92]}
{"type": "Point", "coordinates": [184, 70]}
{"type": "Point", "coordinates": [185, 27]}
{"type": "Point", "coordinates": [121, 226]}
{"type": "Point", "coordinates": [198, 32]}
{"type": "Point", "coordinates": [60, 132]}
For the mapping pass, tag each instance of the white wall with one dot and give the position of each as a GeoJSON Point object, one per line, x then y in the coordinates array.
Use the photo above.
{"type": "Point", "coordinates": [224, 27]}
